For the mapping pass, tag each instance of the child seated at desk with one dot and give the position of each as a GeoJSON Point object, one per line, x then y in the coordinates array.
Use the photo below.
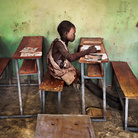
{"type": "Point", "coordinates": [59, 58]}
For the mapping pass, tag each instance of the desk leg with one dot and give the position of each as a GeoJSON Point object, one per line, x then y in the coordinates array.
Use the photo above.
{"type": "Point", "coordinates": [82, 85]}
{"type": "Point", "coordinates": [39, 82]}
{"type": "Point", "coordinates": [19, 87]}
{"type": "Point", "coordinates": [126, 112]}
{"type": "Point", "coordinates": [104, 91]}
{"type": "Point", "coordinates": [38, 67]}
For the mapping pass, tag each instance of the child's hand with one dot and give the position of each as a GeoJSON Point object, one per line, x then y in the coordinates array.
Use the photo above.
{"type": "Point", "coordinates": [92, 49]}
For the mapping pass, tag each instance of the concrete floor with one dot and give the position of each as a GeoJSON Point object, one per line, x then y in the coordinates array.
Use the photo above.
{"type": "Point", "coordinates": [70, 104]}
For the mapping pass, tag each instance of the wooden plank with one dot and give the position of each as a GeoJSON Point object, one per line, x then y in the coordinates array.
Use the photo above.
{"type": "Point", "coordinates": [97, 112]}
{"type": "Point", "coordinates": [3, 64]}
{"type": "Point", "coordinates": [29, 41]}
{"type": "Point", "coordinates": [126, 79]}
{"type": "Point", "coordinates": [95, 70]}
{"type": "Point", "coordinates": [90, 41]}
{"type": "Point", "coordinates": [74, 126]}
{"type": "Point", "coordinates": [49, 83]}
{"type": "Point", "coordinates": [29, 66]}
{"type": "Point", "coordinates": [48, 126]}
{"type": "Point", "coordinates": [64, 126]}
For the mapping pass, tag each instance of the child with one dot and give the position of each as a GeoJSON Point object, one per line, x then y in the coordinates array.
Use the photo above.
{"type": "Point", "coordinates": [59, 58]}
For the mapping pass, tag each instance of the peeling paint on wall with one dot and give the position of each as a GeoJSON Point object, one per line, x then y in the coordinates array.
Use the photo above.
{"type": "Point", "coordinates": [115, 21]}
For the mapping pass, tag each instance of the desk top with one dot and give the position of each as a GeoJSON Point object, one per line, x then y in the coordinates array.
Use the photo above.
{"type": "Point", "coordinates": [93, 41]}
{"type": "Point", "coordinates": [64, 126]}
{"type": "Point", "coordinates": [29, 41]}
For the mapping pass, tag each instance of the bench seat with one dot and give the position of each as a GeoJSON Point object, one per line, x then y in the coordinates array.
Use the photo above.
{"type": "Point", "coordinates": [49, 83]}
{"type": "Point", "coordinates": [126, 79]}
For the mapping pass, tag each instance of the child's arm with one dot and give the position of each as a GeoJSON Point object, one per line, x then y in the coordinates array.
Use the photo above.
{"type": "Point", "coordinates": [75, 56]}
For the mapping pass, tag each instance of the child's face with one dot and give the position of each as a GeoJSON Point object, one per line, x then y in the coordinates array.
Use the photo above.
{"type": "Point", "coordinates": [71, 34]}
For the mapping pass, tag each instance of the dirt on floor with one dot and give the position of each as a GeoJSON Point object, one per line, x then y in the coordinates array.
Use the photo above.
{"type": "Point", "coordinates": [70, 104]}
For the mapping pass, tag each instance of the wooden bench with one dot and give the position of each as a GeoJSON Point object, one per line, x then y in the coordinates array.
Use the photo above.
{"type": "Point", "coordinates": [4, 62]}
{"type": "Point", "coordinates": [49, 83]}
{"type": "Point", "coordinates": [128, 84]}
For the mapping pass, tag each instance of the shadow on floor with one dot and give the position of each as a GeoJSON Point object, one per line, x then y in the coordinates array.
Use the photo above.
{"type": "Point", "coordinates": [70, 104]}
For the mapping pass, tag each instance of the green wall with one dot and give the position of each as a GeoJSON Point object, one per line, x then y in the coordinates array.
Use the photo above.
{"type": "Point", "coordinates": [114, 20]}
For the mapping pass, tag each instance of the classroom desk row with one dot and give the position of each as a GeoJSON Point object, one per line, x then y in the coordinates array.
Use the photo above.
{"type": "Point", "coordinates": [37, 42]}
{"type": "Point", "coordinates": [27, 41]}
{"type": "Point", "coordinates": [96, 69]}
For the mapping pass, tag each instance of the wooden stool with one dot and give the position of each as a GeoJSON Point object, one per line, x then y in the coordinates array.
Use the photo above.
{"type": "Point", "coordinates": [49, 83]}
{"type": "Point", "coordinates": [64, 126]}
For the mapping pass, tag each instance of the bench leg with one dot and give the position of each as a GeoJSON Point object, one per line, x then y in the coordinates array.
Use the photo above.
{"type": "Point", "coordinates": [41, 101]}
{"type": "Point", "coordinates": [59, 101]}
{"type": "Point", "coordinates": [126, 118]}
{"type": "Point", "coordinates": [43, 104]}
{"type": "Point", "coordinates": [126, 112]}
{"type": "Point", "coordinates": [104, 92]}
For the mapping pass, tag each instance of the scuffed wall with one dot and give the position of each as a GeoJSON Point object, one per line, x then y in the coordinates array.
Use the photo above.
{"type": "Point", "coordinates": [114, 20]}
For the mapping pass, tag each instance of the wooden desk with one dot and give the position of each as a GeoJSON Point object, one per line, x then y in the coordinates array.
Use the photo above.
{"type": "Point", "coordinates": [64, 126]}
{"type": "Point", "coordinates": [28, 41]}
{"type": "Point", "coordinates": [94, 41]}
